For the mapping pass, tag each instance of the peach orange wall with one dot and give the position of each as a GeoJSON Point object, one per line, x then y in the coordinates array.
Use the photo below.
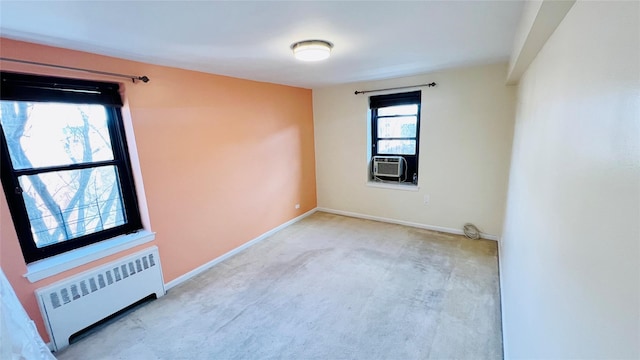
{"type": "Point", "coordinates": [223, 160]}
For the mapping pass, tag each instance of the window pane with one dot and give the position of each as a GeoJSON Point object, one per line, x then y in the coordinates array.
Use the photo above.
{"type": "Point", "coordinates": [404, 126]}
{"type": "Point", "coordinates": [398, 110]}
{"type": "Point", "coordinates": [64, 205]}
{"type": "Point", "coordinates": [397, 147]}
{"type": "Point", "coordinates": [52, 134]}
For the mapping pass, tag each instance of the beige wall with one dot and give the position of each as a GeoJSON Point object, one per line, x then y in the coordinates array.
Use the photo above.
{"type": "Point", "coordinates": [224, 160]}
{"type": "Point", "coordinates": [465, 141]}
{"type": "Point", "coordinates": [570, 251]}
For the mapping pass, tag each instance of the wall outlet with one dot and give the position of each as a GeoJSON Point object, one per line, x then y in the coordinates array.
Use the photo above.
{"type": "Point", "coordinates": [426, 199]}
{"type": "Point", "coordinates": [297, 206]}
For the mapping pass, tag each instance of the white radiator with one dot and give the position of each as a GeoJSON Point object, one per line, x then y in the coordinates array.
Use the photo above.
{"type": "Point", "coordinates": [75, 303]}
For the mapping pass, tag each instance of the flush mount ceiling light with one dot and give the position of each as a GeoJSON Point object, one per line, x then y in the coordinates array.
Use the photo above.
{"type": "Point", "coordinates": [312, 50]}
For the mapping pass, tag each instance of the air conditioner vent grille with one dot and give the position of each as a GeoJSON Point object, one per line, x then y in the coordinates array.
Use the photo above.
{"type": "Point", "coordinates": [391, 166]}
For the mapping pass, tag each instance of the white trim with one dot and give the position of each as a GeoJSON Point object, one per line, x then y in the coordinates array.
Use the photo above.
{"type": "Point", "coordinates": [399, 186]}
{"type": "Point", "coordinates": [500, 274]}
{"type": "Point", "coordinates": [180, 279]}
{"type": "Point", "coordinates": [50, 266]}
{"type": "Point", "coordinates": [50, 346]}
{"type": "Point", "coordinates": [402, 222]}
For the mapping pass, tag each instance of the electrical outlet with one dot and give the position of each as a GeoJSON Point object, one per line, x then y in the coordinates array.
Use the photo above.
{"type": "Point", "coordinates": [297, 206]}
{"type": "Point", "coordinates": [426, 199]}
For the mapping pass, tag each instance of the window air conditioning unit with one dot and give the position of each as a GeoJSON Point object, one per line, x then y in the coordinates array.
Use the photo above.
{"type": "Point", "coordinates": [388, 166]}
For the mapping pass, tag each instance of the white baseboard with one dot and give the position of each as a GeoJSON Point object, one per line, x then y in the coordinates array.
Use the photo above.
{"type": "Point", "coordinates": [221, 258]}
{"type": "Point", "coordinates": [402, 222]}
{"type": "Point", "coordinates": [179, 280]}
{"type": "Point", "coordinates": [500, 281]}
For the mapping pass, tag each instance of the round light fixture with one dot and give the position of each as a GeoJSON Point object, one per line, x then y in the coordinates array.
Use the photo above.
{"type": "Point", "coordinates": [312, 50]}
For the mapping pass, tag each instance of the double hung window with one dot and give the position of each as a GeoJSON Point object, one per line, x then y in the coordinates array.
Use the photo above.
{"type": "Point", "coordinates": [395, 131]}
{"type": "Point", "coordinates": [65, 168]}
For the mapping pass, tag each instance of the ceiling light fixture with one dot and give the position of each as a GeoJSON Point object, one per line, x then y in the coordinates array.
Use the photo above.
{"type": "Point", "coordinates": [312, 50]}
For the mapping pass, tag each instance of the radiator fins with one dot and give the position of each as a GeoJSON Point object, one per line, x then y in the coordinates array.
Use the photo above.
{"type": "Point", "coordinates": [70, 293]}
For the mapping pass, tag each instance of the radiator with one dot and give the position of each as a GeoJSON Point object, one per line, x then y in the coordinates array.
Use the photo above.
{"type": "Point", "coordinates": [72, 304]}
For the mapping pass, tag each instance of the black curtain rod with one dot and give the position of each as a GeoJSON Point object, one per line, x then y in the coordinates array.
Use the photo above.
{"type": "Point", "coordinates": [133, 78]}
{"type": "Point", "coordinates": [395, 88]}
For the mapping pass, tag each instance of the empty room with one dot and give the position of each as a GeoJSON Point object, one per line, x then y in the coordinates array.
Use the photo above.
{"type": "Point", "coordinates": [320, 179]}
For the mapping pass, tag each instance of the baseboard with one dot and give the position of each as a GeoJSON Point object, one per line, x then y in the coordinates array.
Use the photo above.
{"type": "Point", "coordinates": [500, 282]}
{"type": "Point", "coordinates": [179, 280]}
{"type": "Point", "coordinates": [221, 258]}
{"type": "Point", "coordinates": [402, 222]}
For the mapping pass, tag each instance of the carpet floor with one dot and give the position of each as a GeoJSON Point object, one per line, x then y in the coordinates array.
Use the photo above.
{"type": "Point", "coordinates": [326, 287]}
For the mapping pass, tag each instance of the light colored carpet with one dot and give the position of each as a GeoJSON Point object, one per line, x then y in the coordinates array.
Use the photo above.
{"type": "Point", "coordinates": [327, 287]}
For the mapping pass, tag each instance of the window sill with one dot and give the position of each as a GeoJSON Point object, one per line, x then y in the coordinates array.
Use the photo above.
{"type": "Point", "coordinates": [398, 186]}
{"type": "Point", "coordinates": [54, 265]}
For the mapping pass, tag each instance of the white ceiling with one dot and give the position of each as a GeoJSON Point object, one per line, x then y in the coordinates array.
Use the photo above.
{"type": "Point", "coordinates": [372, 40]}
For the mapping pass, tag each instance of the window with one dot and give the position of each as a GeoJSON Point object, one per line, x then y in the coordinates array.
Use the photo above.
{"type": "Point", "coordinates": [64, 163]}
{"type": "Point", "coordinates": [395, 131]}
